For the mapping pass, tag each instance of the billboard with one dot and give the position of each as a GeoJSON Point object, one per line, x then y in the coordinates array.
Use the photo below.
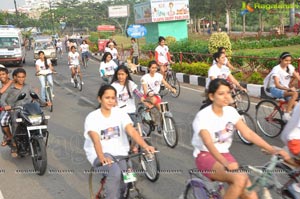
{"type": "Point", "coordinates": [118, 11]}
{"type": "Point", "coordinates": [106, 28]}
{"type": "Point", "coordinates": [162, 10]}
{"type": "Point", "coordinates": [142, 13]}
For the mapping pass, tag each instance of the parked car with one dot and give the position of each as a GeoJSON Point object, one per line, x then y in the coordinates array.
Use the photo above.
{"type": "Point", "coordinates": [46, 45]}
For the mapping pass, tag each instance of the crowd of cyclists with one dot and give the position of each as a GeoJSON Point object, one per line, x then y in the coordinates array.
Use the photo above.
{"type": "Point", "coordinates": [213, 126]}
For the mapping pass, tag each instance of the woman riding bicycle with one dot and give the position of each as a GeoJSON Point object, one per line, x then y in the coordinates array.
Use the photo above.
{"type": "Point", "coordinates": [162, 56]}
{"type": "Point", "coordinates": [151, 83]}
{"type": "Point", "coordinates": [276, 84]}
{"type": "Point", "coordinates": [220, 70]}
{"type": "Point", "coordinates": [73, 60]}
{"type": "Point", "coordinates": [44, 65]}
{"type": "Point", "coordinates": [107, 67]}
{"type": "Point", "coordinates": [84, 49]}
{"type": "Point", "coordinates": [125, 88]}
{"type": "Point", "coordinates": [108, 138]}
{"type": "Point", "coordinates": [213, 129]}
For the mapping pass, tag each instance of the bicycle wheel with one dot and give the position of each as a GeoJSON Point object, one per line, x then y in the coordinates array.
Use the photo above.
{"type": "Point", "coordinates": [163, 91]}
{"type": "Point", "coordinates": [173, 81]}
{"type": "Point", "coordinates": [282, 177]}
{"type": "Point", "coordinates": [196, 190]}
{"type": "Point", "coordinates": [170, 132]}
{"type": "Point", "coordinates": [49, 98]}
{"type": "Point", "coordinates": [269, 118]}
{"type": "Point", "coordinates": [242, 101]}
{"type": "Point", "coordinates": [96, 185]}
{"type": "Point", "coordinates": [84, 62]}
{"type": "Point", "coordinates": [145, 124]}
{"type": "Point", "coordinates": [79, 83]}
{"type": "Point", "coordinates": [250, 123]}
{"type": "Point", "coordinates": [150, 165]}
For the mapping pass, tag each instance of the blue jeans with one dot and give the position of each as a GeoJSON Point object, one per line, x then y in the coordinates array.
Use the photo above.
{"type": "Point", "coordinates": [43, 88]}
{"type": "Point", "coordinates": [277, 93]}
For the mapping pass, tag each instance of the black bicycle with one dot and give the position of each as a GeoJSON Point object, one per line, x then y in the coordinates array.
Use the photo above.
{"type": "Point", "coordinates": [97, 182]}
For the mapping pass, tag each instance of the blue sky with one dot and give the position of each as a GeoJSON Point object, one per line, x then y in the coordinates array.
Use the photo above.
{"type": "Point", "coordinates": [8, 4]}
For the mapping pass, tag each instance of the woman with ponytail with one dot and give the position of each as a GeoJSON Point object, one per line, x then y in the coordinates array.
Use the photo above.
{"type": "Point", "coordinates": [277, 83]}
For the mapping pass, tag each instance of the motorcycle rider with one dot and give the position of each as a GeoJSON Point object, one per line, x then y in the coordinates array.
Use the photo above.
{"type": "Point", "coordinates": [9, 100]}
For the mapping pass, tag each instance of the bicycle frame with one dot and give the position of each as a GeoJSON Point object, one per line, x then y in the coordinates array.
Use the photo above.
{"type": "Point", "coordinates": [274, 112]}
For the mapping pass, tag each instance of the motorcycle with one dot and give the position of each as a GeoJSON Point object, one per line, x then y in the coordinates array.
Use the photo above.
{"type": "Point", "coordinates": [31, 134]}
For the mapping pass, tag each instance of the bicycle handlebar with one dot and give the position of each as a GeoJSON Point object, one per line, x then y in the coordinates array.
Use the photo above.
{"type": "Point", "coordinates": [116, 160]}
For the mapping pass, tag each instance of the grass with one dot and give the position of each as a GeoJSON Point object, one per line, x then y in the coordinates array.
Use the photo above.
{"type": "Point", "coordinates": [123, 41]}
{"type": "Point", "coordinates": [294, 50]}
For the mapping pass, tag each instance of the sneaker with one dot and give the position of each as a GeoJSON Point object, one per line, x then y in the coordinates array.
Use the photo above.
{"type": "Point", "coordinates": [286, 117]}
{"type": "Point", "coordinates": [72, 80]}
{"type": "Point", "coordinates": [82, 83]}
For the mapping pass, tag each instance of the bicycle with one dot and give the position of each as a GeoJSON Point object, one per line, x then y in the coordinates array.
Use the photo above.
{"type": "Point", "coordinates": [85, 59]}
{"type": "Point", "coordinates": [172, 81]}
{"type": "Point", "coordinates": [269, 113]}
{"type": "Point", "coordinates": [59, 51]}
{"type": "Point", "coordinates": [48, 90]}
{"type": "Point", "coordinates": [150, 168]}
{"type": "Point", "coordinates": [77, 80]}
{"type": "Point", "coordinates": [162, 119]}
{"type": "Point", "coordinates": [264, 178]}
{"type": "Point", "coordinates": [129, 178]}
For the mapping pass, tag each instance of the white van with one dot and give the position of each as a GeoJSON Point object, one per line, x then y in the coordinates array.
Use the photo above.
{"type": "Point", "coordinates": [12, 46]}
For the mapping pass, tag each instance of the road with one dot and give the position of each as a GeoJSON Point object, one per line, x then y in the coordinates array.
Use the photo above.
{"type": "Point", "coordinates": [65, 177]}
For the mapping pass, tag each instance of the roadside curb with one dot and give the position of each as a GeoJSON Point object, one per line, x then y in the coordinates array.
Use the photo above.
{"type": "Point", "coordinates": [254, 90]}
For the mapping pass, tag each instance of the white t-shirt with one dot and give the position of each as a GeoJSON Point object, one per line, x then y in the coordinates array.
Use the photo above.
{"type": "Point", "coordinates": [153, 83]}
{"type": "Point", "coordinates": [124, 101]}
{"type": "Point", "coordinates": [74, 58]}
{"type": "Point", "coordinates": [59, 44]}
{"type": "Point", "coordinates": [162, 53]}
{"type": "Point", "coordinates": [111, 130]}
{"type": "Point", "coordinates": [113, 52]}
{"type": "Point", "coordinates": [283, 75]}
{"type": "Point", "coordinates": [107, 68]}
{"type": "Point", "coordinates": [291, 130]}
{"type": "Point", "coordinates": [84, 48]}
{"type": "Point", "coordinates": [220, 128]}
{"type": "Point", "coordinates": [41, 64]}
{"type": "Point", "coordinates": [216, 72]}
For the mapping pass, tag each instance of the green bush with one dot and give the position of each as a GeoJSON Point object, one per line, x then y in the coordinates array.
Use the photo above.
{"type": "Point", "coordinates": [219, 39]}
{"type": "Point", "coordinates": [255, 78]}
{"type": "Point", "coordinates": [144, 62]}
{"type": "Point", "coordinates": [197, 68]}
{"type": "Point", "coordinates": [170, 40]}
{"type": "Point", "coordinates": [94, 36]}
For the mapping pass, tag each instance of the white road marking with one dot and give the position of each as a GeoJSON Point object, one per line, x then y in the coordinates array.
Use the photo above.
{"type": "Point", "coordinates": [1, 195]}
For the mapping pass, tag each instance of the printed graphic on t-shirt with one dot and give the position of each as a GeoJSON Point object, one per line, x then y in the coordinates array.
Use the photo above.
{"type": "Point", "coordinates": [222, 76]}
{"type": "Point", "coordinates": [109, 133]}
{"type": "Point", "coordinates": [225, 134]}
{"type": "Point", "coordinates": [123, 96]}
{"type": "Point", "coordinates": [108, 69]}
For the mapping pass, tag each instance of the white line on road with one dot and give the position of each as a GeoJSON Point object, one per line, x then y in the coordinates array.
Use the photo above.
{"type": "Point", "coordinates": [1, 195]}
